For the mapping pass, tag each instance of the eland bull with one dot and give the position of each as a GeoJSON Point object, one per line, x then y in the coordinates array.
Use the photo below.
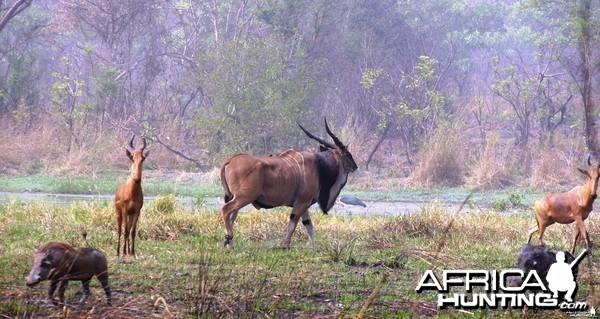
{"type": "Point", "coordinates": [294, 178]}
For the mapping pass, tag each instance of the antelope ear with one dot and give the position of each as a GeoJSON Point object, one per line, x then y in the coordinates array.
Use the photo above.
{"type": "Point", "coordinates": [129, 155]}
{"type": "Point", "coordinates": [584, 172]}
{"type": "Point", "coordinates": [145, 155]}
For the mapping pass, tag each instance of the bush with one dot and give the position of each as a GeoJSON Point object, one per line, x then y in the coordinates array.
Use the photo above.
{"type": "Point", "coordinates": [164, 205]}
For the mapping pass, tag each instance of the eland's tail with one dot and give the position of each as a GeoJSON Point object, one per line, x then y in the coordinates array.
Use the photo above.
{"type": "Point", "coordinates": [228, 195]}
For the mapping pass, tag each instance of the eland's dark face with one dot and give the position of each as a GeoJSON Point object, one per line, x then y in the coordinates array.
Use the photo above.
{"type": "Point", "coordinates": [348, 161]}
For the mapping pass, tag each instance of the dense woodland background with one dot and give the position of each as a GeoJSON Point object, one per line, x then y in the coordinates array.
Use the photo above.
{"type": "Point", "coordinates": [437, 92]}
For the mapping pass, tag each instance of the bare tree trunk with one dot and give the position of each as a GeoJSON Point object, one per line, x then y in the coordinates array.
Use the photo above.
{"type": "Point", "coordinates": [585, 50]}
{"type": "Point", "coordinates": [13, 11]}
{"type": "Point", "coordinates": [376, 147]}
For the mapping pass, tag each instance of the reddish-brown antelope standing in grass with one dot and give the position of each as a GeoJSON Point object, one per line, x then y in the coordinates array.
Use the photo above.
{"type": "Point", "coordinates": [565, 208]}
{"type": "Point", "coordinates": [129, 198]}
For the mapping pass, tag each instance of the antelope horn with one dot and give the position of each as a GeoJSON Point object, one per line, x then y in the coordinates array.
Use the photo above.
{"type": "Point", "coordinates": [320, 140]}
{"type": "Point", "coordinates": [131, 142]}
{"type": "Point", "coordinates": [143, 143]}
{"type": "Point", "coordinates": [589, 160]}
{"type": "Point", "coordinates": [335, 139]}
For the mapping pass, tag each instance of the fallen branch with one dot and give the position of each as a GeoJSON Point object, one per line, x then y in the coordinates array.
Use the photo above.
{"type": "Point", "coordinates": [369, 300]}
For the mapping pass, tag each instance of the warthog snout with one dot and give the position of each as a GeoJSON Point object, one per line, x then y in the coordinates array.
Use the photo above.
{"type": "Point", "coordinates": [32, 282]}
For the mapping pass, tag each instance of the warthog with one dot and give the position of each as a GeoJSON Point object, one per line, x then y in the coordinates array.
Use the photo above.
{"type": "Point", "coordinates": [61, 262]}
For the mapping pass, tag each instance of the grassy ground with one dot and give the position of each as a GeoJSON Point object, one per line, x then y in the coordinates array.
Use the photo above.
{"type": "Point", "coordinates": [182, 271]}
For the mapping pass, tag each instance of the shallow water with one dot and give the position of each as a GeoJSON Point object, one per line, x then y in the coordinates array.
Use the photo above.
{"type": "Point", "coordinates": [379, 208]}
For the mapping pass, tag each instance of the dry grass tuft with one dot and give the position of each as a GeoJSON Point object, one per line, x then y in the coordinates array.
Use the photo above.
{"type": "Point", "coordinates": [441, 159]}
{"type": "Point", "coordinates": [262, 224]}
{"type": "Point", "coordinates": [554, 169]}
{"type": "Point", "coordinates": [491, 168]}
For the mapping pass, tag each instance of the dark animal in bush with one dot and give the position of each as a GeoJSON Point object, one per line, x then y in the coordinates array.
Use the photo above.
{"type": "Point", "coordinates": [565, 208]}
{"type": "Point", "coordinates": [129, 199]}
{"type": "Point", "coordinates": [540, 259]}
{"type": "Point", "coordinates": [61, 262]}
{"type": "Point", "coordinates": [293, 178]}
{"type": "Point", "coordinates": [352, 200]}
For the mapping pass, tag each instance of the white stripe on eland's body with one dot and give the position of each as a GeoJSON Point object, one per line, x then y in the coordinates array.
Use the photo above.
{"type": "Point", "coordinates": [301, 167]}
{"type": "Point", "coordinates": [291, 166]}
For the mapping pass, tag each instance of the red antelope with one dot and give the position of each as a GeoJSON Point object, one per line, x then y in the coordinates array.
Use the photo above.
{"type": "Point", "coordinates": [293, 178]}
{"type": "Point", "coordinates": [129, 198]}
{"type": "Point", "coordinates": [565, 208]}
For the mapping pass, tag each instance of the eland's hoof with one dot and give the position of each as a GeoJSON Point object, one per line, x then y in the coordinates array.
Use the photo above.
{"type": "Point", "coordinates": [227, 241]}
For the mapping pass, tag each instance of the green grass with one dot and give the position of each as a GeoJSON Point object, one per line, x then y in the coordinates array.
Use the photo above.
{"type": "Point", "coordinates": [183, 271]}
{"type": "Point", "coordinates": [107, 184]}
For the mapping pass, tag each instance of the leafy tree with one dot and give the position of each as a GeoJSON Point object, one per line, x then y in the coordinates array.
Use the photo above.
{"type": "Point", "coordinates": [255, 95]}
{"type": "Point", "coordinates": [571, 30]}
{"type": "Point", "coordinates": [21, 63]}
{"type": "Point", "coordinates": [69, 104]}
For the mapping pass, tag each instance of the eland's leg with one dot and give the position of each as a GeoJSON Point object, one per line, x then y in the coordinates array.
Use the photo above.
{"type": "Point", "coordinates": [309, 227]}
{"type": "Point", "coordinates": [297, 212]}
{"type": "Point", "coordinates": [229, 213]}
{"type": "Point", "coordinates": [233, 216]}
